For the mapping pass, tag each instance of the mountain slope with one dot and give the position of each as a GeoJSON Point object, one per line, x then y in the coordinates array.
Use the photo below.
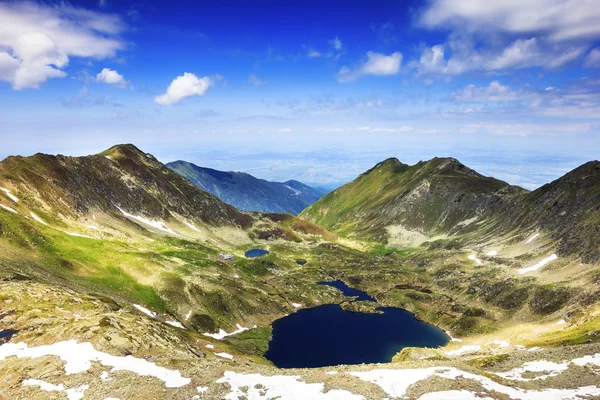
{"type": "Point", "coordinates": [428, 198]}
{"type": "Point", "coordinates": [248, 193]}
{"type": "Point", "coordinates": [120, 180]}
{"type": "Point", "coordinates": [407, 205]}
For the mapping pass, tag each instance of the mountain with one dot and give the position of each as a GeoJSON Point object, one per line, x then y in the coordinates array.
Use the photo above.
{"type": "Point", "coordinates": [248, 193]}
{"type": "Point", "coordinates": [407, 205]}
{"type": "Point", "coordinates": [113, 283]}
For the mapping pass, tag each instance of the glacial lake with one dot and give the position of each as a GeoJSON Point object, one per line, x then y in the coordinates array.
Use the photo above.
{"type": "Point", "coordinates": [327, 335]}
{"type": "Point", "coordinates": [256, 253]}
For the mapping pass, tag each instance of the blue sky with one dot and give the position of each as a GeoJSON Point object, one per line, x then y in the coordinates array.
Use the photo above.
{"type": "Point", "coordinates": [315, 91]}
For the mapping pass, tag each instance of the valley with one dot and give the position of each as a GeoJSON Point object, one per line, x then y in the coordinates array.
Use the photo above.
{"type": "Point", "coordinates": [118, 252]}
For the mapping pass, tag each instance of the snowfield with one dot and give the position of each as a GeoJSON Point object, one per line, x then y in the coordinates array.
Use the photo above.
{"type": "Point", "coordinates": [10, 195]}
{"type": "Point", "coordinates": [538, 265]}
{"type": "Point", "coordinates": [222, 334]}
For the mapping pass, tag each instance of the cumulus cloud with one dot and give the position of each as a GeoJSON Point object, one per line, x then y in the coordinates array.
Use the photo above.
{"type": "Point", "coordinates": [494, 92]}
{"type": "Point", "coordinates": [183, 86]}
{"type": "Point", "coordinates": [505, 35]}
{"type": "Point", "coordinates": [336, 43]}
{"type": "Point", "coordinates": [375, 64]}
{"type": "Point", "coordinates": [557, 19]}
{"type": "Point", "coordinates": [312, 53]}
{"type": "Point", "coordinates": [36, 40]}
{"type": "Point", "coordinates": [255, 80]}
{"type": "Point", "coordinates": [111, 77]}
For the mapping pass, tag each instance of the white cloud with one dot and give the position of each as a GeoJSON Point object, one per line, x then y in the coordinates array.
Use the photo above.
{"type": "Point", "coordinates": [37, 40]}
{"type": "Point", "coordinates": [111, 77]}
{"type": "Point", "coordinates": [526, 129]}
{"type": "Point", "coordinates": [184, 86]}
{"type": "Point", "coordinates": [494, 92]}
{"type": "Point", "coordinates": [385, 130]}
{"type": "Point", "coordinates": [336, 43]}
{"type": "Point", "coordinates": [284, 130]}
{"type": "Point", "coordinates": [255, 80]}
{"type": "Point", "coordinates": [375, 64]}
{"type": "Point", "coordinates": [557, 19]}
{"type": "Point", "coordinates": [312, 53]}
{"type": "Point", "coordinates": [592, 60]}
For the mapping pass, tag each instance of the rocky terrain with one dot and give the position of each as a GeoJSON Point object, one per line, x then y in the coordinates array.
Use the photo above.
{"type": "Point", "coordinates": [112, 287]}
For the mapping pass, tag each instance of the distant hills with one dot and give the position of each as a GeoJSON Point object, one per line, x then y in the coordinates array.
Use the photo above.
{"type": "Point", "coordinates": [247, 193]}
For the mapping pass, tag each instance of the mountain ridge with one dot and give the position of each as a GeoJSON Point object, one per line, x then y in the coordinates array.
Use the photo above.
{"type": "Point", "coordinates": [247, 192]}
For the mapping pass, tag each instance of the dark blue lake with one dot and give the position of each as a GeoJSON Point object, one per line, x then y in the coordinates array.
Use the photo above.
{"type": "Point", "coordinates": [328, 335]}
{"type": "Point", "coordinates": [348, 291]}
{"type": "Point", "coordinates": [256, 253]}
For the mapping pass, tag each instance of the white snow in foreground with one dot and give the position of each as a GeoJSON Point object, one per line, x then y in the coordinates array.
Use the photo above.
{"type": "Point", "coordinates": [280, 386]}
{"type": "Point", "coordinates": [395, 383]}
{"type": "Point", "coordinates": [531, 239]}
{"type": "Point", "coordinates": [176, 324]}
{"type": "Point", "coordinates": [453, 395]}
{"type": "Point", "coordinates": [464, 350]}
{"type": "Point", "coordinates": [72, 394]}
{"type": "Point", "coordinates": [222, 334]}
{"type": "Point", "coordinates": [474, 258]}
{"type": "Point", "coordinates": [297, 305]}
{"type": "Point", "coordinates": [160, 225]}
{"type": "Point", "coordinates": [78, 358]}
{"type": "Point", "coordinates": [549, 367]}
{"type": "Point", "coordinates": [224, 355]}
{"type": "Point", "coordinates": [538, 265]}
{"type": "Point", "coordinates": [8, 209]}
{"type": "Point", "coordinates": [10, 195]}
{"type": "Point", "coordinates": [491, 253]}
{"type": "Point", "coordinates": [146, 311]}
{"type": "Point", "coordinates": [38, 219]}
{"type": "Point", "coordinates": [202, 389]}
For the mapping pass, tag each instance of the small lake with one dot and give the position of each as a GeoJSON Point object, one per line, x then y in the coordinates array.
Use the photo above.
{"type": "Point", "coordinates": [256, 253]}
{"type": "Point", "coordinates": [327, 335]}
{"type": "Point", "coordinates": [348, 291]}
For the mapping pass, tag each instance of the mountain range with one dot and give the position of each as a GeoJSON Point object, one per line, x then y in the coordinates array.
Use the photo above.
{"type": "Point", "coordinates": [248, 193]}
{"type": "Point", "coordinates": [113, 281]}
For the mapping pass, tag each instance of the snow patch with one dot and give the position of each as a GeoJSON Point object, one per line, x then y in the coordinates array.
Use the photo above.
{"type": "Point", "coordinates": [160, 225]}
{"type": "Point", "coordinates": [192, 227]}
{"type": "Point", "coordinates": [176, 324]}
{"type": "Point", "coordinates": [104, 376]}
{"type": "Point", "coordinates": [474, 258]}
{"type": "Point", "coordinates": [224, 355]}
{"type": "Point", "coordinates": [10, 195]}
{"type": "Point", "coordinates": [464, 350]}
{"type": "Point", "coordinates": [38, 219]}
{"type": "Point", "coordinates": [395, 383]}
{"type": "Point", "coordinates": [550, 368]}
{"type": "Point", "coordinates": [296, 192]}
{"type": "Point", "coordinates": [8, 208]}
{"type": "Point", "coordinates": [279, 386]}
{"type": "Point", "coordinates": [297, 305]}
{"type": "Point", "coordinates": [500, 343]}
{"type": "Point", "coordinates": [210, 346]}
{"type": "Point", "coordinates": [491, 253]}
{"type": "Point", "coordinates": [72, 394]}
{"type": "Point", "coordinates": [188, 315]}
{"type": "Point", "coordinates": [78, 235]}
{"type": "Point", "coordinates": [78, 358]}
{"type": "Point", "coordinates": [532, 238]}
{"type": "Point", "coordinates": [561, 322]}
{"type": "Point", "coordinates": [146, 311]}
{"type": "Point", "coordinates": [538, 265]}
{"type": "Point", "coordinates": [202, 389]}
{"type": "Point", "coordinates": [222, 334]}
{"type": "Point", "coordinates": [453, 395]}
